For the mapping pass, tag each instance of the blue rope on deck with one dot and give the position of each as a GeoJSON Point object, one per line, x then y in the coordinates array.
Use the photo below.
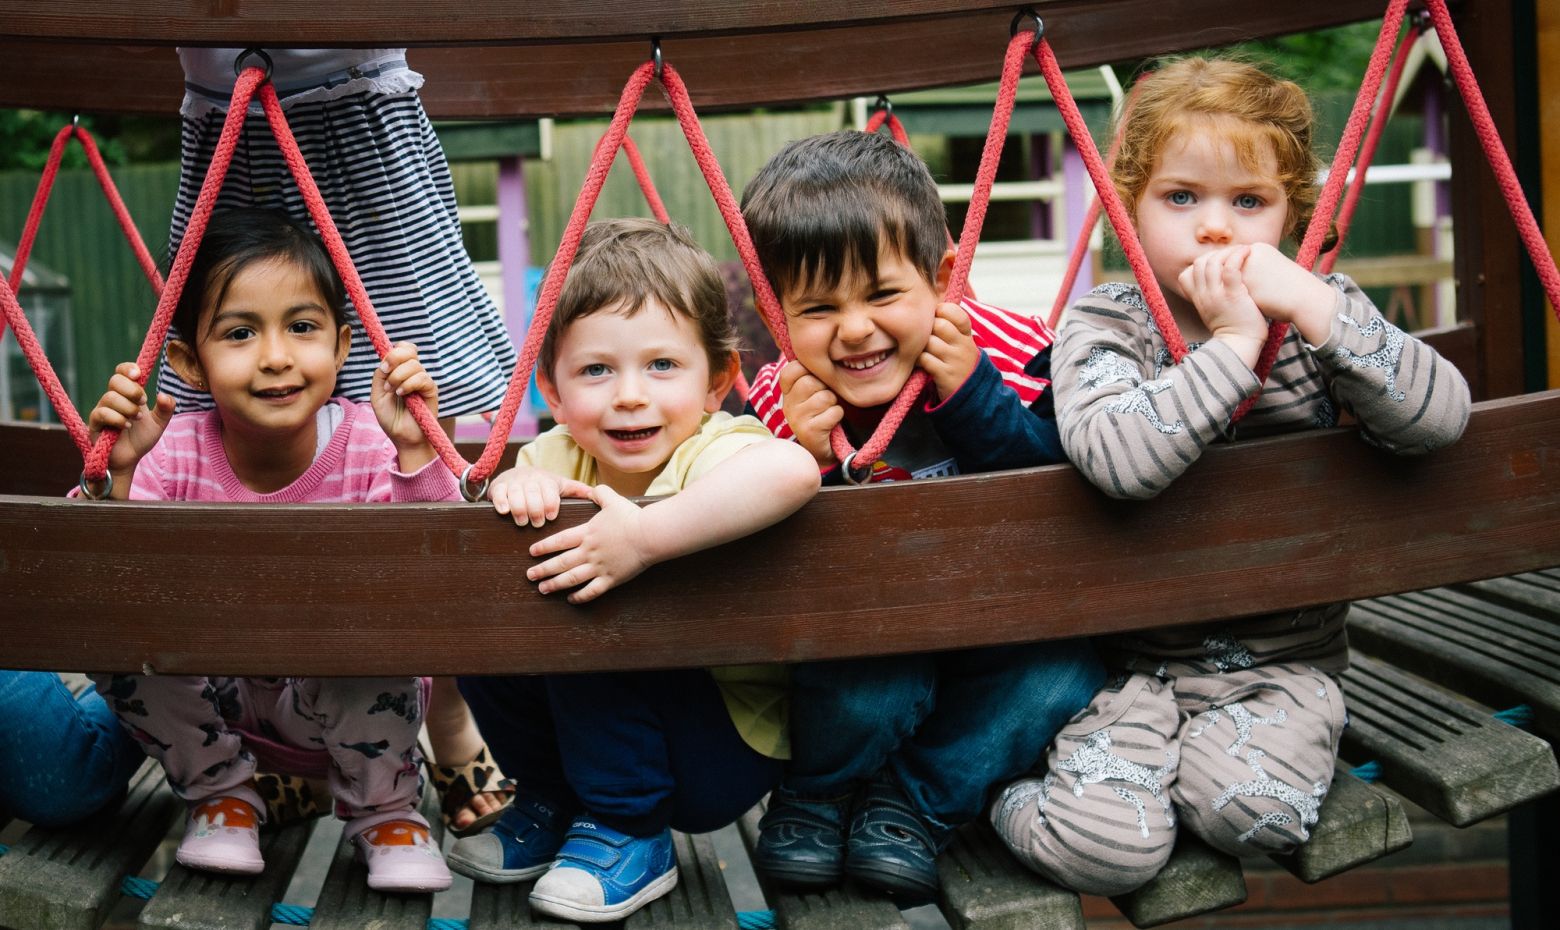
{"type": "Point", "coordinates": [756, 920]}
{"type": "Point", "coordinates": [142, 888]}
{"type": "Point", "coordinates": [1519, 716]}
{"type": "Point", "coordinates": [1369, 772]}
{"type": "Point", "coordinates": [4, 849]}
{"type": "Point", "coordinates": [293, 915]}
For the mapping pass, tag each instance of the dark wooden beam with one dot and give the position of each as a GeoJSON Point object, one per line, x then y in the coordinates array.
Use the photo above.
{"type": "Point", "coordinates": [1265, 525]}
{"type": "Point", "coordinates": [1488, 250]}
{"type": "Point", "coordinates": [566, 58]}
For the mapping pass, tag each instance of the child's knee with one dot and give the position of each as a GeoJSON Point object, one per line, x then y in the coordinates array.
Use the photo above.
{"type": "Point", "coordinates": [1254, 771]}
{"type": "Point", "coordinates": [1101, 820]}
{"type": "Point", "coordinates": [891, 694]}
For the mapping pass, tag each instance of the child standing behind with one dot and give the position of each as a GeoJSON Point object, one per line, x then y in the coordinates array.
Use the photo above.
{"type": "Point", "coordinates": [262, 326]}
{"type": "Point", "coordinates": [638, 357]}
{"type": "Point", "coordinates": [1231, 728]}
{"type": "Point", "coordinates": [890, 754]}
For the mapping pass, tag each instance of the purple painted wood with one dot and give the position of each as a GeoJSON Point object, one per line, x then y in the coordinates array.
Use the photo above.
{"type": "Point", "coordinates": [1080, 190]}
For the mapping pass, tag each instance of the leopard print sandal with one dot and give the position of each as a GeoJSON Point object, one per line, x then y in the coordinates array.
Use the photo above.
{"type": "Point", "coordinates": [291, 798]}
{"type": "Point", "coordinates": [459, 784]}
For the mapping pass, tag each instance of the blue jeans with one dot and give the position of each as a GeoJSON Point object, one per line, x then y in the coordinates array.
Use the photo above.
{"type": "Point", "coordinates": [62, 758]}
{"type": "Point", "coordinates": [947, 726]}
{"type": "Point", "coordinates": [640, 751]}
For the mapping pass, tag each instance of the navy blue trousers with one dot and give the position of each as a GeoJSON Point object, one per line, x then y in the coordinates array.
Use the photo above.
{"type": "Point", "coordinates": [640, 751]}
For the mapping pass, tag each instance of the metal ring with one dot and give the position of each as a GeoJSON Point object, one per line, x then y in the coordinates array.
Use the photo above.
{"type": "Point", "coordinates": [850, 476]}
{"type": "Point", "coordinates": [238, 63]}
{"type": "Point", "coordinates": [75, 121]}
{"type": "Point", "coordinates": [86, 489]}
{"type": "Point", "coordinates": [655, 57]}
{"type": "Point", "coordinates": [883, 103]}
{"type": "Point", "coordinates": [465, 486]}
{"type": "Point", "coordinates": [1039, 25]}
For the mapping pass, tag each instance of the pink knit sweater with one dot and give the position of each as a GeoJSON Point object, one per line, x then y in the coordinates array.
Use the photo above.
{"type": "Point", "coordinates": [357, 466]}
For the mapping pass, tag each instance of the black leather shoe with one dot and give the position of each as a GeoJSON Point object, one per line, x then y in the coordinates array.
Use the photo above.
{"type": "Point", "coordinates": [891, 848]}
{"type": "Point", "coordinates": [801, 841]}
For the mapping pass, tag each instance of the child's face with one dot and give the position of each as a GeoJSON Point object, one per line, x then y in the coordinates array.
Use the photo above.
{"type": "Point", "coordinates": [1201, 198]}
{"type": "Point", "coordinates": [631, 389]}
{"type": "Point", "coordinates": [862, 338]}
{"type": "Point", "coordinates": [270, 353]}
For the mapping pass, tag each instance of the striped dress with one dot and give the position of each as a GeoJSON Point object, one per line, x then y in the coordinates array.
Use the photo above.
{"type": "Point", "coordinates": [373, 153]}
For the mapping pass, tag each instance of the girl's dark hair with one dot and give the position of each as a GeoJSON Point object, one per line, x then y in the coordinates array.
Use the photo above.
{"type": "Point", "coordinates": [825, 205]}
{"type": "Point", "coordinates": [236, 239]}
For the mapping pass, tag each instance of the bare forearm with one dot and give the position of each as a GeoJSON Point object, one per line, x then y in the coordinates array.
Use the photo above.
{"type": "Point", "coordinates": [757, 487]}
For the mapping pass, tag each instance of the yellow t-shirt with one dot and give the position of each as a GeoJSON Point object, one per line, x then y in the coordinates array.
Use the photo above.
{"type": "Point", "coordinates": [755, 695]}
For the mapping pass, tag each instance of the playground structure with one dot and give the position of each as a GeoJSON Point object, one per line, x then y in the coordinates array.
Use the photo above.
{"type": "Point", "coordinates": [1489, 506]}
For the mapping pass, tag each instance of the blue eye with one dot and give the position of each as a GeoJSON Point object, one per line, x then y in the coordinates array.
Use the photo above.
{"type": "Point", "coordinates": [1180, 198]}
{"type": "Point", "coordinates": [1248, 201]}
{"type": "Point", "coordinates": [662, 364]}
{"type": "Point", "coordinates": [594, 371]}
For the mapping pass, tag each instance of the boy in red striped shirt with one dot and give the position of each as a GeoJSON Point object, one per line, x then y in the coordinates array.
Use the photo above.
{"type": "Point", "coordinates": [891, 754]}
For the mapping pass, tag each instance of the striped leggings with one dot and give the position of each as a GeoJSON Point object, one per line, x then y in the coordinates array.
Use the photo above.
{"type": "Point", "coordinates": [1241, 758]}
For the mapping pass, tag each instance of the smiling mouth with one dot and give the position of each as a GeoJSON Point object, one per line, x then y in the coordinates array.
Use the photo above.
{"type": "Point", "coordinates": [277, 393]}
{"type": "Point", "coordinates": [864, 362]}
{"type": "Point", "coordinates": [632, 435]}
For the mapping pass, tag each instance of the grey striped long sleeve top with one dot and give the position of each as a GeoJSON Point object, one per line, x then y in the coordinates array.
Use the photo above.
{"type": "Point", "coordinates": [1132, 421]}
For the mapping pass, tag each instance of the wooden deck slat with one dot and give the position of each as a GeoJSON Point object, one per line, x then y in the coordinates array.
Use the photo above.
{"type": "Point", "coordinates": [192, 900]}
{"type": "Point", "coordinates": [1196, 880]}
{"type": "Point", "coordinates": [1487, 651]}
{"type": "Point", "coordinates": [69, 878]}
{"type": "Point", "coordinates": [1357, 824]}
{"type": "Point", "coordinates": [898, 568]}
{"type": "Point", "coordinates": [558, 57]}
{"type": "Point", "coordinates": [1444, 754]}
{"type": "Point", "coordinates": [700, 900]}
{"type": "Point", "coordinates": [507, 907]}
{"type": "Point", "coordinates": [982, 887]}
{"type": "Point", "coordinates": [347, 903]}
{"type": "Point", "coordinates": [1536, 592]}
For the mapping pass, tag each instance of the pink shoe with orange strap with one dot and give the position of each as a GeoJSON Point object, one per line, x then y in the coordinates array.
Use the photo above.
{"type": "Point", "coordinates": [222, 834]}
{"type": "Point", "coordinates": [400, 854]}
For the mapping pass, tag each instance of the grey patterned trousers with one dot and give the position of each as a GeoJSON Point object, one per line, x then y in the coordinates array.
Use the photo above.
{"type": "Point", "coordinates": [1241, 758]}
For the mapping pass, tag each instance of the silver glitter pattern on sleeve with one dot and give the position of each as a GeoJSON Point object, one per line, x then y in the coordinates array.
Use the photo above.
{"type": "Point", "coordinates": [1387, 357]}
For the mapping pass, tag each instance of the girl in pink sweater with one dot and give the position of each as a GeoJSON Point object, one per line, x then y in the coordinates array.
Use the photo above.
{"type": "Point", "coordinates": [262, 325]}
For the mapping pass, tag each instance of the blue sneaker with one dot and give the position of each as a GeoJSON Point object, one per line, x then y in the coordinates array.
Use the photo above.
{"type": "Point", "coordinates": [801, 841]}
{"type": "Point", "coordinates": [890, 847]}
{"type": "Point", "coordinates": [604, 875]}
{"type": "Point", "coordinates": [519, 847]}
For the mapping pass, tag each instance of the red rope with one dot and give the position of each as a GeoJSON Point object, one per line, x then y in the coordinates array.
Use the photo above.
{"type": "Point", "coordinates": [552, 285]}
{"type": "Point", "coordinates": [1327, 202]}
{"type": "Point", "coordinates": [642, 174]}
{"type": "Point", "coordinates": [96, 458]}
{"type": "Point", "coordinates": [337, 249]}
{"type": "Point", "coordinates": [1495, 151]}
{"type": "Point", "coordinates": [1379, 118]}
{"type": "Point", "coordinates": [116, 203]}
{"type": "Point", "coordinates": [1114, 209]}
{"type": "Point", "coordinates": [895, 127]}
{"type": "Point", "coordinates": [1081, 248]}
{"type": "Point", "coordinates": [658, 208]}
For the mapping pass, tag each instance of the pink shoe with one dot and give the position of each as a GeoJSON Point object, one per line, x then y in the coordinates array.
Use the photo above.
{"type": "Point", "coordinates": [401, 856]}
{"type": "Point", "coordinates": [222, 834]}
